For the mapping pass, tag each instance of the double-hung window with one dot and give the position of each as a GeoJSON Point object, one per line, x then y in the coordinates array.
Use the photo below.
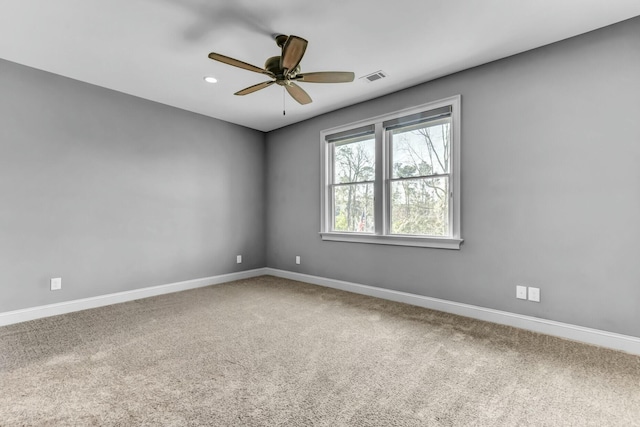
{"type": "Point", "coordinates": [394, 179]}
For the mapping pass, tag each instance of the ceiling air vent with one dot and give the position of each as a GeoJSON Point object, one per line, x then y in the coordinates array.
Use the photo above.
{"type": "Point", "coordinates": [374, 76]}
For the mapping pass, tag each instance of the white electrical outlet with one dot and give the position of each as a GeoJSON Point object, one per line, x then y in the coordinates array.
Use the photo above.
{"type": "Point", "coordinates": [239, 259]}
{"type": "Point", "coordinates": [297, 259]}
{"type": "Point", "coordinates": [534, 294]}
{"type": "Point", "coordinates": [56, 283]}
{"type": "Point", "coordinates": [521, 292]}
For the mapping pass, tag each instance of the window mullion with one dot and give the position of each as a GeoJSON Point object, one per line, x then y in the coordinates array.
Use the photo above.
{"type": "Point", "coordinates": [388, 169]}
{"type": "Point", "coordinates": [379, 187]}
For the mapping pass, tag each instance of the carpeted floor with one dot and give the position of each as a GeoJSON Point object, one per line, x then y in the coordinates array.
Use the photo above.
{"type": "Point", "coordinates": [274, 352]}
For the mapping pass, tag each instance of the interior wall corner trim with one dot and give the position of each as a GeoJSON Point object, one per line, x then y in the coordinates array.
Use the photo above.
{"type": "Point", "coordinates": [626, 343]}
{"type": "Point", "coordinates": [32, 313]}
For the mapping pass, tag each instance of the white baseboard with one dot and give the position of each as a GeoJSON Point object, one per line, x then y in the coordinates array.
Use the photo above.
{"type": "Point", "coordinates": [17, 316]}
{"type": "Point", "coordinates": [611, 340]}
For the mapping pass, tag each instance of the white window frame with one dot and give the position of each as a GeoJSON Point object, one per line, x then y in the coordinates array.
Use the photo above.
{"type": "Point", "coordinates": [383, 179]}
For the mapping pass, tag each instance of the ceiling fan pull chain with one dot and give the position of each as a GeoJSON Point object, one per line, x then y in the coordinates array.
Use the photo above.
{"type": "Point", "coordinates": [283, 101]}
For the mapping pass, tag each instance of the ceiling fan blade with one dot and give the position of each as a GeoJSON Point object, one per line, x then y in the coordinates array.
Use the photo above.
{"type": "Point", "coordinates": [327, 77]}
{"type": "Point", "coordinates": [292, 52]}
{"type": "Point", "coordinates": [298, 93]}
{"type": "Point", "coordinates": [238, 63]}
{"type": "Point", "coordinates": [254, 88]}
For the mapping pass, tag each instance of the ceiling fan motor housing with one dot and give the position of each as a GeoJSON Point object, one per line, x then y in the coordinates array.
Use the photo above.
{"type": "Point", "coordinates": [273, 65]}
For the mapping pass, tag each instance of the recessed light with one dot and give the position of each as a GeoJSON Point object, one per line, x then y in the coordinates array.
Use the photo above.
{"type": "Point", "coordinates": [210, 79]}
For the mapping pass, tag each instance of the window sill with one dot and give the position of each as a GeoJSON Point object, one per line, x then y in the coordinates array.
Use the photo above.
{"type": "Point", "coordinates": [421, 242]}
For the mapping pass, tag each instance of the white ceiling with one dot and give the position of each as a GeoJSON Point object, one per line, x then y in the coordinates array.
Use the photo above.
{"type": "Point", "coordinates": [157, 49]}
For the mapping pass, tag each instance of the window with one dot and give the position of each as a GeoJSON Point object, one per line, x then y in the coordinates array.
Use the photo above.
{"type": "Point", "coordinates": [352, 183]}
{"type": "Point", "coordinates": [394, 179]}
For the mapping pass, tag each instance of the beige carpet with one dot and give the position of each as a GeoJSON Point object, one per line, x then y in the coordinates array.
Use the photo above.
{"type": "Point", "coordinates": [273, 352]}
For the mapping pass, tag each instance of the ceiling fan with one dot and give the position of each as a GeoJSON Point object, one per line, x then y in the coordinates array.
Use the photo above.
{"type": "Point", "coordinates": [285, 69]}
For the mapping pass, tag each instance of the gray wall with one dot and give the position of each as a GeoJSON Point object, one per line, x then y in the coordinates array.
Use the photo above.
{"type": "Point", "coordinates": [550, 188]}
{"type": "Point", "coordinates": [112, 192]}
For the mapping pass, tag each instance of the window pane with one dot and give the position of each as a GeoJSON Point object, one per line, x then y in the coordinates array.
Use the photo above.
{"type": "Point", "coordinates": [354, 161]}
{"type": "Point", "coordinates": [421, 150]}
{"type": "Point", "coordinates": [420, 206]}
{"type": "Point", "coordinates": [353, 208]}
